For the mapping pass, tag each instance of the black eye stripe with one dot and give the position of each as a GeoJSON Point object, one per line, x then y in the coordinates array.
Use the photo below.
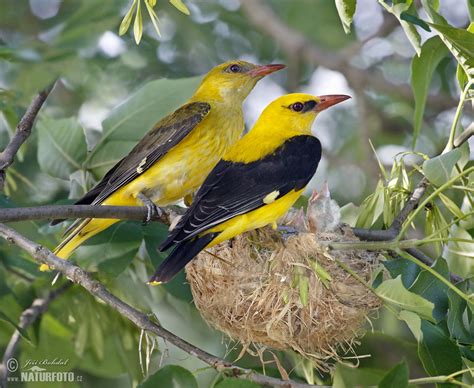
{"type": "Point", "coordinates": [309, 105]}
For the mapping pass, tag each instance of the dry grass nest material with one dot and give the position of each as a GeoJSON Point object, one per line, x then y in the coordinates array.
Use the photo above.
{"type": "Point", "coordinates": [285, 294]}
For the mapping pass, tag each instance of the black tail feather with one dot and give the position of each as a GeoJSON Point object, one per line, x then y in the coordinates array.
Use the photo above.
{"type": "Point", "coordinates": [181, 255]}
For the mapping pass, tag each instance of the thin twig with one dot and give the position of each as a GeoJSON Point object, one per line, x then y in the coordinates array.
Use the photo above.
{"type": "Point", "coordinates": [22, 132]}
{"type": "Point", "coordinates": [27, 318]}
{"type": "Point", "coordinates": [81, 277]}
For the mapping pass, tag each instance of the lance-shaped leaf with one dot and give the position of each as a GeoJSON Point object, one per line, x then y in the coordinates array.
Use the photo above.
{"type": "Point", "coordinates": [422, 69]}
{"type": "Point", "coordinates": [346, 10]}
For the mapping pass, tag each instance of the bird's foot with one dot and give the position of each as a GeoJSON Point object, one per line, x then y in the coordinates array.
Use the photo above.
{"type": "Point", "coordinates": [152, 211]}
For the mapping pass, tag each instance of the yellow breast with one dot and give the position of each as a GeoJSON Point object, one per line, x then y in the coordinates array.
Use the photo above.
{"type": "Point", "coordinates": [265, 215]}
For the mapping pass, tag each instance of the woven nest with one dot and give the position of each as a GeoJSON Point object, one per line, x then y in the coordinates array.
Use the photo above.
{"type": "Point", "coordinates": [286, 294]}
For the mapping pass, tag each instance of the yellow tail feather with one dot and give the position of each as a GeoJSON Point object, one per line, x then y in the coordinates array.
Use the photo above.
{"type": "Point", "coordinates": [84, 231]}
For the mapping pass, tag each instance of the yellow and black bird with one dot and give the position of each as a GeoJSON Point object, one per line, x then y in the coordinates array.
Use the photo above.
{"type": "Point", "coordinates": [255, 183]}
{"type": "Point", "coordinates": [177, 154]}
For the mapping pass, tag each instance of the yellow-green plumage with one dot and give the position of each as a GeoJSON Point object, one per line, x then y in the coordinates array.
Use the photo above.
{"type": "Point", "coordinates": [213, 120]}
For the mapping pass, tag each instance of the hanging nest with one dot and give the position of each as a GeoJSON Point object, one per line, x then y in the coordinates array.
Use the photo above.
{"type": "Point", "coordinates": [286, 292]}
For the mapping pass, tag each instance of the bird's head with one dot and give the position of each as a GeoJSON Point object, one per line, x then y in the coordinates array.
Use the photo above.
{"type": "Point", "coordinates": [297, 111]}
{"type": "Point", "coordinates": [233, 80]}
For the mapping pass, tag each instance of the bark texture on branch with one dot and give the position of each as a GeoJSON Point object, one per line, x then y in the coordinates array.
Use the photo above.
{"type": "Point", "coordinates": [52, 212]}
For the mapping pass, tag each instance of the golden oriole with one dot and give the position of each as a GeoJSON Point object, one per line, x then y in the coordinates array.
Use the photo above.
{"type": "Point", "coordinates": [176, 155]}
{"type": "Point", "coordinates": [256, 182]}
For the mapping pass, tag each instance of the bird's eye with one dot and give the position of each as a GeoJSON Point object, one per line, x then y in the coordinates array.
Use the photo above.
{"type": "Point", "coordinates": [297, 106]}
{"type": "Point", "coordinates": [235, 68]}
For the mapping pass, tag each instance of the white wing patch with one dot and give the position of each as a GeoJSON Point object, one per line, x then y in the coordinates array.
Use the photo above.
{"type": "Point", "coordinates": [140, 166]}
{"type": "Point", "coordinates": [269, 198]}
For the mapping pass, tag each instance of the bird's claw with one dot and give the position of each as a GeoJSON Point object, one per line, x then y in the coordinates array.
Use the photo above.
{"type": "Point", "coordinates": [152, 211]}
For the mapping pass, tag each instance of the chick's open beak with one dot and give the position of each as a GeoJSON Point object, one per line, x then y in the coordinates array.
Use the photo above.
{"type": "Point", "coordinates": [263, 70]}
{"type": "Point", "coordinates": [330, 100]}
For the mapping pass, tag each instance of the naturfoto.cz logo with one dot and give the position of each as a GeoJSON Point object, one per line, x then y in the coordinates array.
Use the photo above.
{"type": "Point", "coordinates": [33, 371]}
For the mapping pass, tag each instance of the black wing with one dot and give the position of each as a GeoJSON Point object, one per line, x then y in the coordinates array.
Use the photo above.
{"type": "Point", "coordinates": [155, 144]}
{"type": "Point", "coordinates": [232, 188]}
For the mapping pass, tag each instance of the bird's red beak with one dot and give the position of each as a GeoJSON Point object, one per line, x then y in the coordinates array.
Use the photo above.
{"type": "Point", "coordinates": [330, 100]}
{"type": "Point", "coordinates": [263, 70]}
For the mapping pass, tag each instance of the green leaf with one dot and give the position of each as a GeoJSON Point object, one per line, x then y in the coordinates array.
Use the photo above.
{"type": "Point", "coordinates": [401, 266]}
{"type": "Point", "coordinates": [153, 17]}
{"type": "Point", "coordinates": [462, 39]}
{"type": "Point", "coordinates": [349, 377]}
{"type": "Point", "coordinates": [346, 10]}
{"type": "Point", "coordinates": [393, 292]}
{"type": "Point", "coordinates": [96, 334]}
{"type": "Point", "coordinates": [431, 288]}
{"type": "Point", "coordinates": [180, 6]}
{"type": "Point", "coordinates": [372, 207]}
{"type": "Point", "coordinates": [233, 382]}
{"type": "Point", "coordinates": [450, 205]}
{"type": "Point", "coordinates": [413, 322]}
{"type": "Point", "coordinates": [415, 20]}
{"type": "Point", "coordinates": [128, 122]}
{"type": "Point", "coordinates": [170, 376]}
{"type": "Point", "coordinates": [61, 146]}
{"type": "Point", "coordinates": [399, 8]}
{"type": "Point", "coordinates": [438, 169]}
{"type": "Point", "coordinates": [461, 76]}
{"type": "Point", "coordinates": [460, 255]}
{"type": "Point", "coordinates": [438, 354]}
{"type": "Point", "coordinates": [127, 19]}
{"type": "Point", "coordinates": [112, 250]}
{"type": "Point", "coordinates": [459, 327]}
{"type": "Point", "coordinates": [138, 24]}
{"type": "Point", "coordinates": [81, 338]}
{"type": "Point", "coordinates": [23, 333]}
{"type": "Point", "coordinates": [397, 377]}
{"type": "Point", "coordinates": [422, 69]}
{"type": "Point", "coordinates": [459, 41]}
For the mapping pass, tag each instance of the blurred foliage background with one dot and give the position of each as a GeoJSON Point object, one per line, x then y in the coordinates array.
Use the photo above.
{"type": "Point", "coordinates": [111, 91]}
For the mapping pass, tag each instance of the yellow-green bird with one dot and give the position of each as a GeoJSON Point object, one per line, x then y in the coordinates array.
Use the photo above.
{"type": "Point", "coordinates": [177, 154]}
{"type": "Point", "coordinates": [255, 183]}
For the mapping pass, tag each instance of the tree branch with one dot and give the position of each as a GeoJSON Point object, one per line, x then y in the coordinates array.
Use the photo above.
{"type": "Point", "coordinates": [294, 42]}
{"type": "Point", "coordinates": [87, 211]}
{"type": "Point", "coordinates": [81, 277]}
{"type": "Point", "coordinates": [28, 317]}
{"type": "Point", "coordinates": [22, 132]}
